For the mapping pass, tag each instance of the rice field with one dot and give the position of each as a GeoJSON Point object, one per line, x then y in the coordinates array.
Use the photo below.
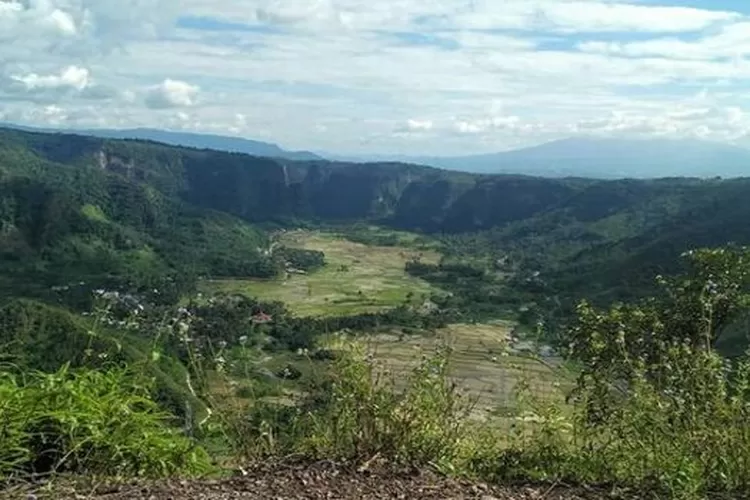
{"type": "Point", "coordinates": [485, 364]}
{"type": "Point", "coordinates": [357, 278]}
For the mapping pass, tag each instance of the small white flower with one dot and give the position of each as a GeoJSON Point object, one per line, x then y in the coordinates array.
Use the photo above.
{"type": "Point", "coordinates": [182, 327]}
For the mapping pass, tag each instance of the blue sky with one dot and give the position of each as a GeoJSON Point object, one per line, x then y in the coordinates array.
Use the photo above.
{"type": "Point", "coordinates": [386, 77]}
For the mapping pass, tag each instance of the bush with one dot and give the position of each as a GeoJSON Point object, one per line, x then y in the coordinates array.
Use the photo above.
{"type": "Point", "coordinates": [656, 406]}
{"type": "Point", "coordinates": [359, 414]}
{"type": "Point", "coordinates": [87, 421]}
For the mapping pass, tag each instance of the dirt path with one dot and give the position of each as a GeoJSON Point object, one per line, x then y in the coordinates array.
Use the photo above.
{"type": "Point", "coordinates": [312, 483]}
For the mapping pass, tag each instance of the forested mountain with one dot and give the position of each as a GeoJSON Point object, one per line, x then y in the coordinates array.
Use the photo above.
{"type": "Point", "coordinates": [100, 209]}
{"type": "Point", "coordinates": [188, 139]}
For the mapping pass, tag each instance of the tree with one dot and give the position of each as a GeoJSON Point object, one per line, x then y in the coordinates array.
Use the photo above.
{"type": "Point", "coordinates": [655, 339]}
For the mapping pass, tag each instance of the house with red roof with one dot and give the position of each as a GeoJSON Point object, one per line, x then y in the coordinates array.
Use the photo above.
{"type": "Point", "coordinates": [262, 318]}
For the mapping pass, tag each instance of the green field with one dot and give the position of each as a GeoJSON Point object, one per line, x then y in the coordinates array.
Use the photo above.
{"type": "Point", "coordinates": [357, 278]}
{"type": "Point", "coordinates": [478, 364]}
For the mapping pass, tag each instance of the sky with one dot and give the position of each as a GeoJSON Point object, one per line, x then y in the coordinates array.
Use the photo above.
{"type": "Point", "coordinates": [437, 77]}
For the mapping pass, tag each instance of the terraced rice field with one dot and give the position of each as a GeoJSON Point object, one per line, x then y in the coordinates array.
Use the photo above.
{"type": "Point", "coordinates": [484, 363]}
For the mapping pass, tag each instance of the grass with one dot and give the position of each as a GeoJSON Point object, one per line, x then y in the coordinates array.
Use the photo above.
{"type": "Point", "coordinates": [478, 364]}
{"type": "Point", "coordinates": [357, 278]}
{"type": "Point", "coordinates": [89, 422]}
{"type": "Point", "coordinates": [94, 213]}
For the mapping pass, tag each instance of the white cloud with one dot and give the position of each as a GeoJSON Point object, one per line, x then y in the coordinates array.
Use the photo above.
{"type": "Point", "coordinates": [171, 94]}
{"type": "Point", "coordinates": [445, 75]}
{"type": "Point", "coordinates": [40, 18]}
{"type": "Point", "coordinates": [549, 15]}
{"type": "Point", "coordinates": [579, 16]}
{"type": "Point", "coordinates": [62, 22]}
{"type": "Point", "coordinates": [492, 123]}
{"type": "Point", "coordinates": [732, 41]}
{"type": "Point", "coordinates": [72, 77]}
{"type": "Point", "coordinates": [727, 124]}
{"type": "Point", "coordinates": [419, 125]}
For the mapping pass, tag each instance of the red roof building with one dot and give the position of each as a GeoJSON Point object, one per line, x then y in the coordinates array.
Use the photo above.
{"type": "Point", "coordinates": [262, 318]}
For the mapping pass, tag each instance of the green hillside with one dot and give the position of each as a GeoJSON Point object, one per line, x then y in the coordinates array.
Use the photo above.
{"type": "Point", "coordinates": [78, 208]}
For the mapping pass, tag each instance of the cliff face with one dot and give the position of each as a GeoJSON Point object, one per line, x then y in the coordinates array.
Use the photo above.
{"type": "Point", "coordinates": [260, 189]}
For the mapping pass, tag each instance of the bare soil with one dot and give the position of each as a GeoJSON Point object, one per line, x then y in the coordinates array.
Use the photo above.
{"type": "Point", "coordinates": [309, 482]}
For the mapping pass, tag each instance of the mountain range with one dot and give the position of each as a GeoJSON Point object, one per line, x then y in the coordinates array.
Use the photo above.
{"type": "Point", "coordinates": [187, 139]}
{"type": "Point", "coordinates": [587, 157]}
{"type": "Point", "coordinates": [79, 203]}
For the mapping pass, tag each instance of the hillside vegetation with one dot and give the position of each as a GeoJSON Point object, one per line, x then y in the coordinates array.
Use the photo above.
{"type": "Point", "coordinates": [158, 205]}
{"type": "Point", "coordinates": [172, 311]}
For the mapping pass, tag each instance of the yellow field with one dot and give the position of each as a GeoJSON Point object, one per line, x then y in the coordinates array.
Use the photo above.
{"type": "Point", "coordinates": [478, 364]}
{"type": "Point", "coordinates": [357, 278]}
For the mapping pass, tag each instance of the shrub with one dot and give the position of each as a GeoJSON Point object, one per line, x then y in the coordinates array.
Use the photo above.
{"type": "Point", "coordinates": [656, 407]}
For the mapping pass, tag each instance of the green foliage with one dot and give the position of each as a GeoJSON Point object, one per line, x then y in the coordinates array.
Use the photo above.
{"type": "Point", "coordinates": [299, 258]}
{"type": "Point", "coordinates": [162, 208]}
{"type": "Point", "coordinates": [110, 216]}
{"type": "Point", "coordinates": [80, 213]}
{"type": "Point", "coordinates": [477, 290]}
{"type": "Point", "coordinates": [89, 422]}
{"type": "Point", "coordinates": [35, 336]}
{"type": "Point", "coordinates": [673, 442]}
{"type": "Point", "coordinates": [691, 314]}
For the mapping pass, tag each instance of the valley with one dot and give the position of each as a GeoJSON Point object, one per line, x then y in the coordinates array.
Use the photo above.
{"type": "Point", "coordinates": [399, 249]}
{"type": "Point", "coordinates": [488, 361]}
{"type": "Point", "coordinates": [231, 309]}
{"type": "Point", "coordinates": [356, 278]}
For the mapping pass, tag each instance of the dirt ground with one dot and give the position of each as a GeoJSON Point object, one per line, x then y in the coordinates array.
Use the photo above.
{"type": "Point", "coordinates": [309, 482]}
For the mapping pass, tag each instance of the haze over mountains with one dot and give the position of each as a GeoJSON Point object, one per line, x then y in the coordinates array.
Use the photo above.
{"type": "Point", "coordinates": [589, 157]}
{"type": "Point", "coordinates": [604, 158]}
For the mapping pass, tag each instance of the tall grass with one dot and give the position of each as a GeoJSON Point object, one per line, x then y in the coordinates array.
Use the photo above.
{"type": "Point", "coordinates": [88, 422]}
{"type": "Point", "coordinates": [684, 440]}
{"type": "Point", "coordinates": [359, 415]}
